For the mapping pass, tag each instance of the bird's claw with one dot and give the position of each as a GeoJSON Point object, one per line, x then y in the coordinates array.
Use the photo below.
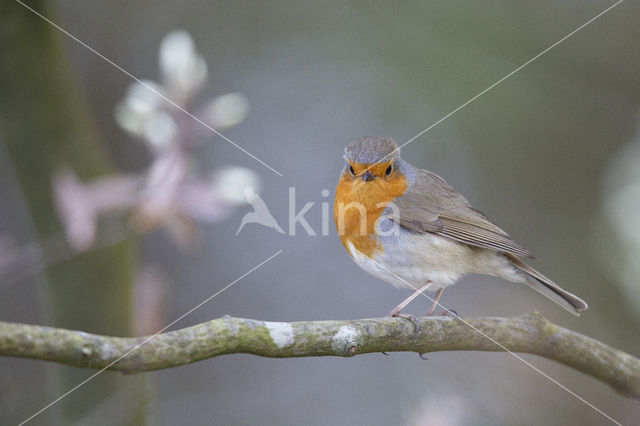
{"type": "Point", "coordinates": [451, 313]}
{"type": "Point", "coordinates": [412, 318]}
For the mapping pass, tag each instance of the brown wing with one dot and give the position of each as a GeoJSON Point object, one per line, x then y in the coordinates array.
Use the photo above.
{"type": "Point", "coordinates": [437, 208]}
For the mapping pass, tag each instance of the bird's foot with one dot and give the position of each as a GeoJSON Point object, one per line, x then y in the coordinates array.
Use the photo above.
{"type": "Point", "coordinates": [412, 318]}
{"type": "Point", "coordinates": [445, 313]}
{"type": "Point", "coordinates": [449, 313]}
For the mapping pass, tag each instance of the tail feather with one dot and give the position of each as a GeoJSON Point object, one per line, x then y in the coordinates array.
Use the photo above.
{"type": "Point", "coordinates": [548, 288]}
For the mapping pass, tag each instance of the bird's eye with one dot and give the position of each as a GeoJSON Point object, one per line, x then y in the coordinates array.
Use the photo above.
{"type": "Point", "coordinates": [353, 172]}
{"type": "Point", "coordinates": [388, 171]}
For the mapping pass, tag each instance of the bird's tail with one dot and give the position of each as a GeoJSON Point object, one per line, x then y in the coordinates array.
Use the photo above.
{"type": "Point", "coordinates": [553, 291]}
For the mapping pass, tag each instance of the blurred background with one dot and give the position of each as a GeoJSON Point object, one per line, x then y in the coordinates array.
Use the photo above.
{"type": "Point", "coordinates": [552, 155]}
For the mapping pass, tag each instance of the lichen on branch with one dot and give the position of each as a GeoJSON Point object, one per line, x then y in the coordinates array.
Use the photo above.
{"type": "Point", "coordinates": [228, 335]}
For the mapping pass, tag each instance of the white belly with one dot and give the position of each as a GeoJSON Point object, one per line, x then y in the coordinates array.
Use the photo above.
{"type": "Point", "coordinates": [410, 259]}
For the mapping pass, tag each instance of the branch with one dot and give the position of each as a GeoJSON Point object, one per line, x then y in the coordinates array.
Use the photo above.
{"type": "Point", "coordinates": [529, 334]}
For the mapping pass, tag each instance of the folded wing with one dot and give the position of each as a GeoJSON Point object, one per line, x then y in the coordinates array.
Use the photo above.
{"type": "Point", "coordinates": [437, 208]}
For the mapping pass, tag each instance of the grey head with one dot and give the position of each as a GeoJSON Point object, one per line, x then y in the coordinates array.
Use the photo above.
{"type": "Point", "coordinates": [371, 150]}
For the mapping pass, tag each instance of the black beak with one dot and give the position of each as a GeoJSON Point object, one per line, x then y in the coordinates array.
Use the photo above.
{"type": "Point", "coordinates": [367, 176]}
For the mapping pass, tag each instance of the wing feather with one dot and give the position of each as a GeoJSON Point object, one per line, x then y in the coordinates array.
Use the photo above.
{"type": "Point", "coordinates": [437, 208]}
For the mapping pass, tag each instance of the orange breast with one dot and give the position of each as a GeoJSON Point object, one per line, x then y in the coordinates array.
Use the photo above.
{"type": "Point", "coordinates": [360, 204]}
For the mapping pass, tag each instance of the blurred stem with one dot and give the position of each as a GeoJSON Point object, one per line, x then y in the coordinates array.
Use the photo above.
{"type": "Point", "coordinates": [528, 334]}
{"type": "Point", "coordinates": [45, 125]}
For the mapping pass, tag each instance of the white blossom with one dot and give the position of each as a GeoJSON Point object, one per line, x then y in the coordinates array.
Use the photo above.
{"type": "Point", "coordinates": [184, 70]}
{"type": "Point", "coordinates": [226, 110]}
{"type": "Point", "coordinates": [230, 183]}
{"type": "Point", "coordinates": [141, 102]}
{"type": "Point", "coordinates": [160, 129]}
{"type": "Point", "coordinates": [169, 193]}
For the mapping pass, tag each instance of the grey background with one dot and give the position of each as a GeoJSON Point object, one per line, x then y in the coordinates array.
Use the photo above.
{"type": "Point", "coordinates": [531, 154]}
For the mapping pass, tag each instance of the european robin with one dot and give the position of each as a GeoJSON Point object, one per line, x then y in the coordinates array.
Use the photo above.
{"type": "Point", "coordinates": [409, 227]}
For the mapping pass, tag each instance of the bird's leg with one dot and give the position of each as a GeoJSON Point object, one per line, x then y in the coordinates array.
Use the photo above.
{"type": "Point", "coordinates": [435, 302]}
{"type": "Point", "coordinates": [396, 311]}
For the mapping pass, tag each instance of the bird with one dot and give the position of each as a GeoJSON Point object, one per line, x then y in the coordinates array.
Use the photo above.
{"type": "Point", "coordinates": [410, 228]}
{"type": "Point", "coordinates": [260, 214]}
